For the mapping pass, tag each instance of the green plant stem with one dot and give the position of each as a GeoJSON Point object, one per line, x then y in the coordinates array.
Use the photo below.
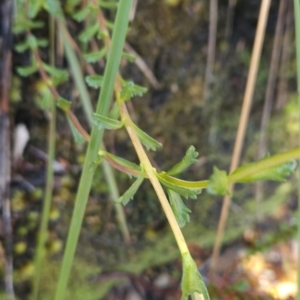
{"type": "Point", "coordinates": [88, 109]}
{"type": "Point", "coordinates": [47, 204]}
{"type": "Point", "coordinates": [42, 234]}
{"type": "Point", "coordinates": [114, 192]}
{"type": "Point", "coordinates": [297, 30]}
{"type": "Point", "coordinates": [114, 58]}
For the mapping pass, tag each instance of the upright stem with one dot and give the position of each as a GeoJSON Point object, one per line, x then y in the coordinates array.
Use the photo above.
{"type": "Point", "coordinates": [114, 58]}
{"type": "Point", "coordinates": [260, 33]}
{"type": "Point", "coordinates": [42, 235]}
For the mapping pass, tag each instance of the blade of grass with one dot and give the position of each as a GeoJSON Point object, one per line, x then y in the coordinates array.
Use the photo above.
{"type": "Point", "coordinates": [114, 58]}
{"type": "Point", "coordinates": [87, 104]}
{"type": "Point", "coordinates": [42, 234]}
{"type": "Point", "coordinates": [297, 31]}
{"type": "Point", "coordinates": [260, 33]}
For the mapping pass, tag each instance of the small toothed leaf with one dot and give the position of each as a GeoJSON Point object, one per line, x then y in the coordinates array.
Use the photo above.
{"type": "Point", "coordinates": [180, 211]}
{"type": "Point", "coordinates": [95, 56]}
{"type": "Point", "coordinates": [86, 35]}
{"type": "Point", "coordinates": [186, 192]}
{"type": "Point", "coordinates": [22, 25]}
{"type": "Point", "coordinates": [103, 122]}
{"type": "Point", "coordinates": [94, 81]}
{"type": "Point", "coordinates": [63, 104]}
{"type": "Point", "coordinates": [218, 183]}
{"type": "Point", "coordinates": [26, 71]}
{"type": "Point", "coordinates": [32, 42]}
{"type": "Point", "coordinates": [58, 75]}
{"type": "Point", "coordinates": [42, 42]}
{"type": "Point", "coordinates": [129, 194]}
{"type": "Point", "coordinates": [192, 282]}
{"type": "Point", "coordinates": [21, 47]}
{"type": "Point", "coordinates": [81, 14]}
{"type": "Point", "coordinates": [54, 8]}
{"type": "Point", "coordinates": [34, 7]}
{"type": "Point", "coordinates": [130, 89]}
{"type": "Point", "coordinates": [149, 142]}
{"type": "Point", "coordinates": [79, 139]}
{"type": "Point", "coordinates": [189, 159]}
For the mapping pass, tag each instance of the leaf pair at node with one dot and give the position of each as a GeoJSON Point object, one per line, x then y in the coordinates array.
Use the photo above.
{"type": "Point", "coordinates": [83, 13]}
{"type": "Point", "coordinates": [103, 122]}
{"type": "Point", "coordinates": [175, 191]}
{"type": "Point", "coordinates": [31, 42]}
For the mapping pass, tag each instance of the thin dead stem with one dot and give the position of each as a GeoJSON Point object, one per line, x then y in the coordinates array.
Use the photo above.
{"type": "Point", "coordinates": [260, 33]}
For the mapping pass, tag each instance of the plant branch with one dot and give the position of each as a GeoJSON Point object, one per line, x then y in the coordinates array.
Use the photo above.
{"type": "Point", "coordinates": [260, 33]}
{"type": "Point", "coordinates": [154, 181]}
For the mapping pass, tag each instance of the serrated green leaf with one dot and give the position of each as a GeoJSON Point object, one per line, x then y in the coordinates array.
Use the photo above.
{"type": "Point", "coordinates": [87, 34]}
{"type": "Point", "coordinates": [63, 103]}
{"type": "Point", "coordinates": [103, 122]}
{"type": "Point", "coordinates": [22, 25]}
{"type": "Point", "coordinates": [149, 142]}
{"type": "Point", "coordinates": [34, 6]}
{"type": "Point", "coordinates": [278, 173]}
{"type": "Point", "coordinates": [78, 138]}
{"type": "Point", "coordinates": [53, 7]}
{"type": "Point", "coordinates": [94, 81]}
{"type": "Point", "coordinates": [26, 71]}
{"type": "Point", "coordinates": [130, 89]}
{"type": "Point", "coordinates": [32, 42]}
{"type": "Point", "coordinates": [192, 281]}
{"type": "Point", "coordinates": [180, 211]}
{"type": "Point", "coordinates": [21, 47]}
{"type": "Point", "coordinates": [218, 183]}
{"type": "Point", "coordinates": [81, 14]}
{"type": "Point", "coordinates": [189, 159]}
{"type": "Point", "coordinates": [42, 42]}
{"type": "Point", "coordinates": [130, 57]}
{"type": "Point", "coordinates": [58, 75]}
{"type": "Point", "coordinates": [183, 191]}
{"type": "Point", "coordinates": [95, 56]}
{"type": "Point", "coordinates": [129, 194]}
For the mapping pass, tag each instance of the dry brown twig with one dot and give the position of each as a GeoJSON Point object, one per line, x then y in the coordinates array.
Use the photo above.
{"type": "Point", "coordinates": [260, 33]}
